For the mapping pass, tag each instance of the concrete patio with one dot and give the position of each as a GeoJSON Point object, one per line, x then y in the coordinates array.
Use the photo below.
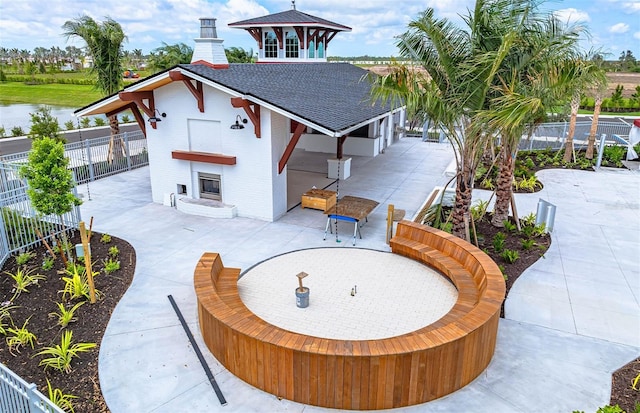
{"type": "Point", "coordinates": [571, 319]}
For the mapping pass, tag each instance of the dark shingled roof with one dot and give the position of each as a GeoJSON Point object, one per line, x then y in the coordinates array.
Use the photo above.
{"type": "Point", "coordinates": [331, 95]}
{"type": "Point", "coordinates": [292, 17]}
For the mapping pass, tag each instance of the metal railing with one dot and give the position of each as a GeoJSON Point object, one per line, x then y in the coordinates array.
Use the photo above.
{"type": "Point", "coordinates": [554, 135]}
{"type": "Point", "coordinates": [93, 159]}
{"type": "Point", "coordinates": [18, 396]}
{"type": "Point", "coordinates": [89, 160]}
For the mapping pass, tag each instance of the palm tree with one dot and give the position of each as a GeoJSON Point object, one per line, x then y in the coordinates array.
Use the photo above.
{"type": "Point", "coordinates": [167, 56]}
{"type": "Point", "coordinates": [530, 82]}
{"type": "Point", "coordinates": [600, 82]}
{"type": "Point", "coordinates": [461, 66]}
{"type": "Point", "coordinates": [104, 41]}
{"type": "Point", "coordinates": [586, 72]}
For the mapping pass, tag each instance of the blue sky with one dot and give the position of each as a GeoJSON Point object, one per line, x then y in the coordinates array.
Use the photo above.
{"type": "Point", "coordinates": [614, 25]}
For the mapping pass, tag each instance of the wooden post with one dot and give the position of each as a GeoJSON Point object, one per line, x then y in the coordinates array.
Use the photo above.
{"type": "Point", "coordinates": [300, 276]}
{"type": "Point", "coordinates": [46, 244]}
{"type": "Point", "coordinates": [87, 261]}
{"type": "Point", "coordinates": [389, 222]}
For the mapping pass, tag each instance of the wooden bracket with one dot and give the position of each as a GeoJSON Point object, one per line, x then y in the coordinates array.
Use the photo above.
{"type": "Point", "coordinates": [278, 32]}
{"type": "Point", "coordinates": [196, 90]}
{"type": "Point", "coordinates": [300, 32]}
{"type": "Point", "coordinates": [290, 147]}
{"type": "Point", "coordinates": [138, 98]}
{"type": "Point", "coordinates": [136, 115]}
{"type": "Point", "coordinates": [256, 33]}
{"type": "Point", "coordinates": [252, 110]}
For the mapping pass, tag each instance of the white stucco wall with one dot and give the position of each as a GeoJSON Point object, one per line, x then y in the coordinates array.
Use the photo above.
{"type": "Point", "coordinates": [247, 185]}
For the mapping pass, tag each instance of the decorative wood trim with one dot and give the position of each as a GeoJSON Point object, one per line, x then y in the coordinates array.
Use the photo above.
{"type": "Point", "coordinates": [252, 110]}
{"type": "Point", "coordinates": [290, 147]}
{"type": "Point", "coordinates": [205, 157]}
{"type": "Point", "coordinates": [211, 65]}
{"type": "Point", "coordinates": [196, 91]}
{"type": "Point", "coordinates": [138, 98]}
{"type": "Point", "coordinates": [278, 32]}
{"type": "Point", "coordinates": [256, 33]}
{"type": "Point", "coordinates": [300, 32]}
{"type": "Point", "coordinates": [136, 115]}
{"type": "Point", "coordinates": [312, 35]}
{"type": "Point", "coordinates": [329, 36]}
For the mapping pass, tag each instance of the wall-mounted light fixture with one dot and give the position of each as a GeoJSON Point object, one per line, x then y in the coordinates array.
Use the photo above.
{"type": "Point", "coordinates": [239, 125]}
{"type": "Point", "coordinates": [154, 119]}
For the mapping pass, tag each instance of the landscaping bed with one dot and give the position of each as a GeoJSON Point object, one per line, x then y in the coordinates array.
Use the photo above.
{"type": "Point", "coordinates": [35, 306]}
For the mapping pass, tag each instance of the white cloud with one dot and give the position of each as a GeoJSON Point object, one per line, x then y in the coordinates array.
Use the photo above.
{"type": "Point", "coordinates": [619, 28]}
{"type": "Point", "coordinates": [572, 16]}
{"type": "Point", "coordinates": [636, 35]}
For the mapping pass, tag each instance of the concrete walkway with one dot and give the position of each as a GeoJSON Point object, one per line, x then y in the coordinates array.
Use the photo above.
{"type": "Point", "coordinates": [542, 362]}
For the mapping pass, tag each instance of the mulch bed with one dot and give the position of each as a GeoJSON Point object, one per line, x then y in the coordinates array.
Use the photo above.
{"type": "Point", "coordinates": [36, 305]}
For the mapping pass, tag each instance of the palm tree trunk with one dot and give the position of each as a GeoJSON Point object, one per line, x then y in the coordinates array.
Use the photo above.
{"type": "Point", "coordinates": [463, 201]}
{"type": "Point", "coordinates": [568, 148]}
{"type": "Point", "coordinates": [503, 188]}
{"type": "Point", "coordinates": [594, 127]}
{"type": "Point", "coordinates": [115, 144]}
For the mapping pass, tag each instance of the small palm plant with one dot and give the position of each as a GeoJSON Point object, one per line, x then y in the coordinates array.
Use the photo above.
{"type": "Point", "coordinates": [66, 316]}
{"type": "Point", "coordinates": [76, 284]}
{"type": "Point", "coordinates": [60, 399]}
{"type": "Point", "coordinates": [19, 337]}
{"type": "Point", "coordinates": [23, 278]}
{"type": "Point", "coordinates": [60, 356]}
{"type": "Point", "coordinates": [5, 314]}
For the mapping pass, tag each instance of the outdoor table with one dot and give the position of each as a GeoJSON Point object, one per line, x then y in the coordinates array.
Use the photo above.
{"type": "Point", "coordinates": [350, 209]}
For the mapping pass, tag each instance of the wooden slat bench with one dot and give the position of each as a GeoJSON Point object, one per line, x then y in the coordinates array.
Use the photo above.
{"type": "Point", "coordinates": [361, 374]}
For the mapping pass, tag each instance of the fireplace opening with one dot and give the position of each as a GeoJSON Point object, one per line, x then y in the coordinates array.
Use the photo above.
{"type": "Point", "coordinates": [209, 185]}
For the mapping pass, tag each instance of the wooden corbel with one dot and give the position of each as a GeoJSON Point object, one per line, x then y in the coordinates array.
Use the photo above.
{"type": "Point", "coordinates": [138, 98]}
{"type": "Point", "coordinates": [196, 90]}
{"type": "Point", "coordinates": [290, 147]}
{"type": "Point", "coordinates": [252, 110]}
{"type": "Point", "coordinates": [278, 32]}
{"type": "Point", "coordinates": [256, 33]}
{"type": "Point", "coordinates": [136, 114]}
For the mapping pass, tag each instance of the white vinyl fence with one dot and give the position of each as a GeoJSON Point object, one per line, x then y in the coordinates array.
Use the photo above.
{"type": "Point", "coordinates": [18, 396]}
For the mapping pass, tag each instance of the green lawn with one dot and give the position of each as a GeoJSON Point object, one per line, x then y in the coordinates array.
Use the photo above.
{"type": "Point", "coordinates": [48, 94]}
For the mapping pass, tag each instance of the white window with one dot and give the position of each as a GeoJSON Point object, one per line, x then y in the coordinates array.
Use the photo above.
{"type": "Point", "coordinates": [291, 45]}
{"type": "Point", "coordinates": [209, 185]}
{"type": "Point", "coordinates": [270, 45]}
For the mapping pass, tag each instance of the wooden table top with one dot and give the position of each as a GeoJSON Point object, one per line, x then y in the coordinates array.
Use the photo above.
{"type": "Point", "coordinates": [352, 207]}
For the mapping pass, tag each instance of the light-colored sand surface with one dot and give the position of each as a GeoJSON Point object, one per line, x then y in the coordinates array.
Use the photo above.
{"type": "Point", "coordinates": [394, 295]}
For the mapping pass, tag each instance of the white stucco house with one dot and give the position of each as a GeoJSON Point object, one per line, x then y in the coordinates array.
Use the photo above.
{"type": "Point", "coordinates": [220, 135]}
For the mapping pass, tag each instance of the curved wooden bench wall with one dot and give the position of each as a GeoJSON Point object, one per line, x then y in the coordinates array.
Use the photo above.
{"type": "Point", "coordinates": [361, 374]}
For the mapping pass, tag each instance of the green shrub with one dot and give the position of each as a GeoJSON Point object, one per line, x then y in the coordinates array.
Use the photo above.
{"type": "Point", "coordinates": [499, 241]}
{"type": "Point", "coordinates": [510, 256]}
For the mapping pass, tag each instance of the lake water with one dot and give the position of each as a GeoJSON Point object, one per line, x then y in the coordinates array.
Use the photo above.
{"type": "Point", "coordinates": [19, 115]}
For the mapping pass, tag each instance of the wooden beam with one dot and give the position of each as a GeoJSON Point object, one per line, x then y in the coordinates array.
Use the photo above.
{"type": "Point", "coordinates": [196, 90]}
{"type": "Point", "coordinates": [138, 98]}
{"type": "Point", "coordinates": [340, 142]}
{"type": "Point", "coordinates": [136, 114]}
{"type": "Point", "coordinates": [312, 35]}
{"type": "Point", "coordinates": [252, 110]}
{"type": "Point", "coordinates": [290, 147]}
{"type": "Point", "coordinates": [205, 157]}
